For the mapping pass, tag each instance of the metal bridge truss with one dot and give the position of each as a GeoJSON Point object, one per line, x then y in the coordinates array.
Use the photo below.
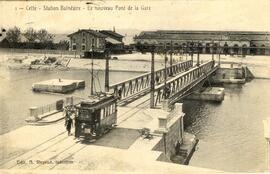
{"type": "Point", "coordinates": [179, 86]}
{"type": "Point", "coordinates": [140, 85]}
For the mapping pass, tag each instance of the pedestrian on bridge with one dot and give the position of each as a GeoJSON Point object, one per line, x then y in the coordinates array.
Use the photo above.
{"type": "Point", "coordinates": [69, 124]}
{"type": "Point", "coordinates": [120, 93]}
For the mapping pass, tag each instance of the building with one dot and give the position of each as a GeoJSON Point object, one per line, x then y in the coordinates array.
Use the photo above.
{"type": "Point", "coordinates": [113, 35]}
{"type": "Point", "coordinates": [114, 41]}
{"type": "Point", "coordinates": [225, 42]}
{"type": "Point", "coordinates": [84, 41]}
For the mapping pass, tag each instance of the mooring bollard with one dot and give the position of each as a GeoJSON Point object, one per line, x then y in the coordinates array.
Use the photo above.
{"type": "Point", "coordinates": [165, 105]}
{"type": "Point", "coordinates": [34, 113]}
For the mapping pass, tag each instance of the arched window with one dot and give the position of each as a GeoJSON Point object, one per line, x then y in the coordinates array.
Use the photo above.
{"type": "Point", "coordinates": [184, 47]}
{"type": "Point", "coordinates": [200, 47]}
{"type": "Point", "coordinates": [226, 48]}
{"type": "Point", "coordinates": [235, 49]}
{"type": "Point", "coordinates": [215, 47]}
{"type": "Point", "coordinates": [262, 50]}
{"type": "Point", "coordinates": [253, 49]}
{"type": "Point", "coordinates": [244, 49]}
{"type": "Point", "coordinates": [207, 48]}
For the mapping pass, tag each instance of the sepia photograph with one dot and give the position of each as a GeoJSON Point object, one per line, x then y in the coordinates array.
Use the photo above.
{"type": "Point", "coordinates": [127, 86]}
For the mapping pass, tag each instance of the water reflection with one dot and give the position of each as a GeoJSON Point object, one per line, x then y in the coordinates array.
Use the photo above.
{"type": "Point", "coordinates": [231, 133]}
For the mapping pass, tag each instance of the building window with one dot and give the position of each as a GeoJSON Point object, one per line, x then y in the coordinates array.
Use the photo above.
{"type": "Point", "coordinates": [73, 40]}
{"type": "Point", "coordinates": [244, 49]}
{"type": "Point", "coordinates": [83, 34]}
{"type": "Point", "coordinates": [74, 47]}
{"type": "Point", "coordinates": [207, 48]}
{"type": "Point", "coordinates": [253, 49]}
{"type": "Point", "coordinates": [93, 42]}
{"type": "Point", "coordinates": [83, 47]}
{"type": "Point", "coordinates": [226, 48]}
{"type": "Point", "coordinates": [83, 40]}
{"type": "Point", "coordinates": [262, 50]}
{"type": "Point", "coordinates": [97, 42]}
{"type": "Point", "coordinates": [235, 49]}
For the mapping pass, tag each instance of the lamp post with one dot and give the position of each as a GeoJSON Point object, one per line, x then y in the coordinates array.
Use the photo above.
{"type": "Point", "coordinates": [152, 83]}
{"type": "Point", "coordinates": [191, 54]}
{"type": "Point", "coordinates": [165, 69]}
{"type": "Point", "coordinates": [198, 56]}
{"type": "Point", "coordinates": [107, 71]}
{"type": "Point", "coordinates": [92, 72]}
{"type": "Point", "coordinates": [171, 61]}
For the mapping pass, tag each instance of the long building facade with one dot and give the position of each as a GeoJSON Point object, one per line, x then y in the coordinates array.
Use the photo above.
{"type": "Point", "coordinates": [208, 42]}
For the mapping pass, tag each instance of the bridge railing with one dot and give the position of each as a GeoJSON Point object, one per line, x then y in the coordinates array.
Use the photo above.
{"type": "Point", "coordinates": [180, 85]}
{"type": "Point", "coordinates": [141, 83]}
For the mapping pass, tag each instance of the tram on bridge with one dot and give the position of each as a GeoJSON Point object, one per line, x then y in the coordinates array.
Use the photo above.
{"type": "Point", "coordinates": [95, 116]}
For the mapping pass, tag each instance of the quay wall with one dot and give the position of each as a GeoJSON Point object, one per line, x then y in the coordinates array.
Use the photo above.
{"type": "Point", "coordinates": [168, 141]}
{"type": "Point", "coordinates": [172, 137]}
{"type": "Point", "coordinates": [227, 73]}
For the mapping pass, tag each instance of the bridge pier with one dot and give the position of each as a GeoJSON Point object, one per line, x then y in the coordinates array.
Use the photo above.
{"type": "Point", "coordinates": [176, 145]}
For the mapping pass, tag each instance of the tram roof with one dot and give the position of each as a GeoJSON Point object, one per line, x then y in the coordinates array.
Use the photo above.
{"type": "Point", "coordinates": [98, 102]}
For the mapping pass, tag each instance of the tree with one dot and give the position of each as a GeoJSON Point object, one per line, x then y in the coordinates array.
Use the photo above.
{"type": "Point", "coordinates": [13, 35]}
{"type": "Point", "coordinates": [44, 36]}
{"type": "Point", "coordinates": [63, 45]}
{"type": "Point", "coordinates": [30, 35]}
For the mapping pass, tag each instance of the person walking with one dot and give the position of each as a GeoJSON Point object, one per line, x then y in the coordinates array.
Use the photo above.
{"type": "Point", "coordinates": [69, 124]}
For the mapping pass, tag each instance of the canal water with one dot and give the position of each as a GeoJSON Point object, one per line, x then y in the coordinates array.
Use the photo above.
{"type": "Point", "coordinates": [230, 133]}
{"type": "Point", "coordinates": [16, 95]}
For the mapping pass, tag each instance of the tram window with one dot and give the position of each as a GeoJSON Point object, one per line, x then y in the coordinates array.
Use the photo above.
{"type": "Point", "coordinates": [101, 114]}
{"type": "Point", "coordinates": [109, 109]}
{"type": "Point", "coordinates": [84, 114]}
{"type": "Point", "coordinates": [113, 108]}
{"type": "Point", "coordinates": [106, 113]}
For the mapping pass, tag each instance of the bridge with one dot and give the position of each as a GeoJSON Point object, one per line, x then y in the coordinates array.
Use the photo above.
{"type": "Point", "coordinates": [173, 83]}
{"type": "Point", "coordinates": [169, 83]}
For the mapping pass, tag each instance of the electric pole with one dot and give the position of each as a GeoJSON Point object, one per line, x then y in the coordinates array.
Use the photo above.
{"type": "Point", "coordinates": [152, 83]}
{"type": "Point", "coordinates": [92, 71]}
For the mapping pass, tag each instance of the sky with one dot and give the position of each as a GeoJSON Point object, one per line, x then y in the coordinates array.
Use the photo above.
{"type": "Point", "coordinates": [248, 15]}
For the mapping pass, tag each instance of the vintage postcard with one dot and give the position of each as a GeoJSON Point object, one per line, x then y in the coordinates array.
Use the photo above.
{"type": "Point", "coordinates": [125, 86]}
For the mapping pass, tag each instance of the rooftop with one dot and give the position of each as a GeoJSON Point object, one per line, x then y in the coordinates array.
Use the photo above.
{"type": "Point", "coordinates": [111, 33]}
{"type": "Point", "coordinates": [93, 32]}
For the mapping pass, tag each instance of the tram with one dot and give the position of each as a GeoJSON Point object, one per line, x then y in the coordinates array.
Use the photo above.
{"type": "Point", "coordinates": [95, 116]}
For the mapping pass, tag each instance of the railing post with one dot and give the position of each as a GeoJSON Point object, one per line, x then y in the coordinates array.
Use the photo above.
{"type": "Point", "coordinates": [152, 83]}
